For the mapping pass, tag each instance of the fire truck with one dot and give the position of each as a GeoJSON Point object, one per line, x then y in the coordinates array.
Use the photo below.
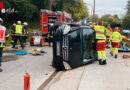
{"type": "Point", "coordinates": [48, 18]}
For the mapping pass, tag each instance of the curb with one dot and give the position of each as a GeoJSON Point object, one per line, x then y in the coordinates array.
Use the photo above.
{"type": "Point", "coordinates": [44, 84]}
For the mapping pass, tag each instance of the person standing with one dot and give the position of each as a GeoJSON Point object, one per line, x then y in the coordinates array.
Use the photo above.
{"type": "Point", "coordinates": [116, 38]}
{"type": "Point", "coordinates": [18, 34]}
{"type": "Point", "coordinates": [3, 37]}
{"type": "Point", "coordinates": [50, 33]}
{"type": "Point", "coordinates": [13, 33]}
{"type": "Point", "coordinates": [108, 34]}
{"type": "Point", "coordinates": [100, 43]}
{"type": "Point", "coordinates": [25, 24]}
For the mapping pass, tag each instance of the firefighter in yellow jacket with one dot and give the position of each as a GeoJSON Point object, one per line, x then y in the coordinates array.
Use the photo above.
{"type": "Point", "coordinates": [108, 34]}
{"type": "Point", "coordinates": [100, 45]}
{"type": "Point", "coordinates": [18, 35]}
{"type": "Point", "coordinates": [115, 40]}
{"type": "Point", "coordinates": [124, 39]}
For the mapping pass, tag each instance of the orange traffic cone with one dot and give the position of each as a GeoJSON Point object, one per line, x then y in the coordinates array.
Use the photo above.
{"type": "Point", "coordinates": [26, 82]}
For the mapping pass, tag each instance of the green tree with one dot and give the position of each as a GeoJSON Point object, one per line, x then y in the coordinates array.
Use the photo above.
{"type": "Point", "coordinates": [126, 22]}
{"type": "Point", "coordinates": [114, 20]}
{"type": "Point", "coordinates": [75, 7]}
{"type": "Point", "coordinates": [40, 4]}
{"type": "Point", "coordinates": [128, 7]}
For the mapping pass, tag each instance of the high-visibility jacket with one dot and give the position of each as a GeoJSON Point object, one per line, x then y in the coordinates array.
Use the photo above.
{"type": "Point", "coordinates": [100, 32]}
{"type": "Point", "coordinates": [18, 29]}
{"type": "Point", "coordinates": [108, 32]}
{"type": "Point", "coordinates": [116, 37]}
{"type": "Point", "coordinates": [3, 35]}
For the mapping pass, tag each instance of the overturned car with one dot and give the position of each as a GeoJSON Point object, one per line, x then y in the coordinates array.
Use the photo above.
{"type": "Point", "coordinates": [73, 46]}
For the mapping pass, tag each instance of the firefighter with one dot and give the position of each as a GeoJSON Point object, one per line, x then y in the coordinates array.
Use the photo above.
{"type": "Point", "coordinates": [123, 43]}
{"type": "Point", "coordinates": [108, 34]}
{"type": "Point", "coordinates": [115, 40]}
{"type": "Point", "coordinates": [124, 39]}
{"type": "Point", "coordinates": [12, 33]}
{"type": "Point", "coordinates": [25, 24]}
{"type": "Point", "coordinates": [92, 25]}
{"type": "Point", "coordinates": [3, 37]}
{"type": "Point", "coordinates": [50, 33]}
{"type": "Point", "coordinates": [100, 43]}
{"type": "Point", "coordinates": [18, 34]}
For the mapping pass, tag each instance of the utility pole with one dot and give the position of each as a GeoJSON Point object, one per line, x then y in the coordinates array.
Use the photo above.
{"type": "Point", "coordinates": [50, 4]}
{"type": "Point", "coordinates": [94, 11]}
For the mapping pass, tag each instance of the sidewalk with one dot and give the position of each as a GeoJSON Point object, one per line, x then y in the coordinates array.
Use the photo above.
{"type": "Point", "coordinates": [113, 76]}
{"type": "Point", "coordinates": [12, 77]}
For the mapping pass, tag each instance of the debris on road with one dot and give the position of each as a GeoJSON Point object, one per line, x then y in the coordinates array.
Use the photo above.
{"type": "Point", "coordinates": [25, 52]}
{"type": "Point", "coordinates": [126, 56]}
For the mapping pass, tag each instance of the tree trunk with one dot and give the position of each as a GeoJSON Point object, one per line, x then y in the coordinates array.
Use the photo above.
{"type": "Point", "coordinates": [50, 4]}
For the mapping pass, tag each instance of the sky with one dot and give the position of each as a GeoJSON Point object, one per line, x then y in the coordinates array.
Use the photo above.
{"type": "Point", "coordinates": [108, 7]}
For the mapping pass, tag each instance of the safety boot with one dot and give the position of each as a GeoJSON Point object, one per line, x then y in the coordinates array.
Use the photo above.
{"type": "Point", "coordinates": [100, 62]}
{"type": "Point", "coordinates": [115, 56]}
{"type": "Point", "coordinates": [111, 53]}
{"type": "Point", "coordinates": [104, 62]}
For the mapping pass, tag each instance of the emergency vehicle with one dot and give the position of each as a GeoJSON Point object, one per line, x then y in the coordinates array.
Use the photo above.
{"type": "Point", "coordinates": [48, 18]}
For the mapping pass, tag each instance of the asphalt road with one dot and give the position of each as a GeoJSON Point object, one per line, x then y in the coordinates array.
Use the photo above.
{"type": "Point", "coordinates": [14, 68]}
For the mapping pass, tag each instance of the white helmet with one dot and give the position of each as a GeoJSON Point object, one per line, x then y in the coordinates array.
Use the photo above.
{"type": "Point", "coordinates": [19, 22]}
{"type": "Point", "coordinates": [25, 23]}
{"type": "Point", "coordinates": [1, 20]}
{"type": "Point", "coordinates": [14, 24]}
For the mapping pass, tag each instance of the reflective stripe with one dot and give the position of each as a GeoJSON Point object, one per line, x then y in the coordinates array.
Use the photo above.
{"type": "Point", "coordinates": [2, 45]}
{"type": "Point", "coordinates": [99, 41]}
{"type": "Point", "coordinates": [99, 32]}
{"type": "Point", "coordinates": [7, 35]}
{"type": "Point", "coordinates": [2, 33]}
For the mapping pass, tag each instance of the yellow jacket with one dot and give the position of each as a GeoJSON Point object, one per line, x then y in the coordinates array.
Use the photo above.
{"type": "Point", "coordinates": [100, 32]}
{"type": "Point", "coordinates": [18, 29]}
{"type": "Point", "coordinates": [116, 37]}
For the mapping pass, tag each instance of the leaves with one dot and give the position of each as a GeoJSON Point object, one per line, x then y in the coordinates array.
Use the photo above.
{"type": "Point", "coordinates": [111, 19]}
{"type": "Point", "coordinates": [128, 7]}
{"type": "Point", "coordinates": [75, 7]}
{"type": "Point", "coordinates": [126, 22]}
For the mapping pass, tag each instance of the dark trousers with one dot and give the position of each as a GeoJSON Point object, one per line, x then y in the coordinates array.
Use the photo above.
{"type": "Point", "coordinates": [1, 52]}
{"type": "Point", "coordinates": [24, 39]}
{"type": "Point", "coordinates": [16, 39]}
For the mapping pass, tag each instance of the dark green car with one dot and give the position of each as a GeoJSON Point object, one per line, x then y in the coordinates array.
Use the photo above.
{"type": "Point", "coordinates": [73, 46]}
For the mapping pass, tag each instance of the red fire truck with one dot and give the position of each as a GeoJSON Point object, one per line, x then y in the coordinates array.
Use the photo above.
{"type": "Point", "coordinates": [47, 18]}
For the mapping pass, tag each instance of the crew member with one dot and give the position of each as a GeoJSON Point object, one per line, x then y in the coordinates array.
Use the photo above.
{"type": "Point", "coordinates": [50, 33]}
{"type": "Point", "coordinates": [124, 39]}
{"type": "Point", "coordinates": [100, 46]}
{"type": "Point", "coordinates": [25, 24]}
{"type": "Point", "coordinates": [3, 36]}
{"type": "Point", "coordinates": [108, 34]}
{"type": "Point", "coordinates": [18, 34]}
{"type": "Point", "coordinates": [13, 33]}
{"type": "Point", "coordinates": [115, 39]}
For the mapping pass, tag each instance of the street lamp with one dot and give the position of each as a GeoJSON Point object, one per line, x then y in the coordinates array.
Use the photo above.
{"type": "Point", "coordinates": [93, 7]}
{"type": "Point", "coordinates": [94, 11]}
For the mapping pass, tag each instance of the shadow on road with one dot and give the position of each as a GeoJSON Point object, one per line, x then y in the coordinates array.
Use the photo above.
{"type": "Point", "coordinates": [9, 58]}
